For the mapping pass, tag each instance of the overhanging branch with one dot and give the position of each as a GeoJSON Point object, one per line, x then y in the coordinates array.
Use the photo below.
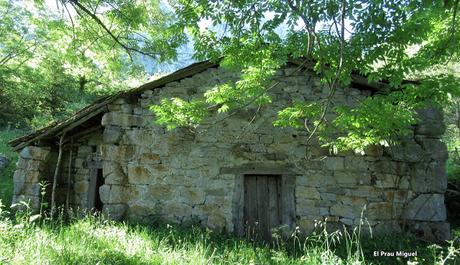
{"type": "Point", "coordinates": [128, 49]}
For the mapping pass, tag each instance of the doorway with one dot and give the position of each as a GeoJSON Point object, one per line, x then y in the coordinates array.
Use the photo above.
{"type": "Point", "coordinates": [262, 205]}
{"type": "Point", "coordinates": [96, 180]}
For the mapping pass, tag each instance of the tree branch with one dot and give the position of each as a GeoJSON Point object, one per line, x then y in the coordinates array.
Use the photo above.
{"type": "Point", "coordinates": [331, 83]}
{"type": "Point", "coordinates": [128, 49]}
{"type": "Point", "coordinates": [235, 111]}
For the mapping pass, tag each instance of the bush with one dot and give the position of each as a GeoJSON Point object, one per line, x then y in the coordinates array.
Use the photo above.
{"type": "Point", "coordinates": [453, 166]}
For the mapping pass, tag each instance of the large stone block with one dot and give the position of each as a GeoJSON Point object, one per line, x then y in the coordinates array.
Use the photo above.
{"type": "Point", "coordinates": [84, 150]}
{"type": "Point", "coordinates": [431, 122]}
{"type": "Point", "coordinates": [126, 108]}
{"type": "Point", "coordinates": [26, 188]}
{"type": "Point", "coordinates": [434, 148]}
{"type": "Point", "coordinates": [306, 207]}
{"type": "Point", "coordinates": [28, 164]}
{"type": "Point", "coordinates": [426, 207]}
{"type": "Point", "coordinates": [113, 173]}
{"type": "Point", "coordinates": [335, 163]}
{"type": "Point", "coordinates": [306, 225]}
{"type": "Point", "coordinates": [32, 176]}
{"type": "Point", "coordinates": [104, 193]}
{"type": "Point", "coordinates": [347, 211]}
{"type": "Point", "coordinates": [115, 194]}
{"type": "Point", "coordinates": [141, 137]}
{"type": "Point", "coordinates": [160, 192]}
{"type": "Point", "coordinates": [383, 210]}
{"type": "Point", "coordinates": [316, 179]}
{"type": "Point", "coordinates": [407, 151]}
{"type": "Point", "coordinates": [217, 221]}
{"type": "Point", "coordinates": [429, 177]}
{"type": "Point", "coordinates": [347, 178]}
{"type": "Point", "coordinates": [362, 191]}
{"type": "Point", "coordinates": [390, 181]}
{"type": "Point", "coordinates": [117, 152]}
{"type": "Point", "coordinates": [432, 231]}
{"type": "Point", "coordinates": [387, 227]}
{"type": "Point", "coordinates": [115, 212]}
{"type": "Point", "coordinates": [144, 213]}
{"type": "Point", "coordinates": [123, 120]}
{"type": "Point", "coordinates": [35, 153]}
{"type": "Point", "coordinates": [374, 150]}
{"type": "Point", "coordinates": [303, 192]}
{"type": "Point", "coordinates": [177, 210]}
{"type": "Point", "coordinates": [351, 200]}
{"type": "Point", "coordinates": [398, 196]}
{"type": "Point", "coordinates": [19, 175]}
{"type": "Point", "coordinates": [216, 191]}
{"type": "Point", "coordinates": [139, 175]}
{"type": "Point", "coordinates": [149, 158]}
{"type": "Point", "coordinates": [112, 134]}
{"type": "Point", "coordinates": [356, 163]}
{"type": "Point", "coordinates": [391, 167]}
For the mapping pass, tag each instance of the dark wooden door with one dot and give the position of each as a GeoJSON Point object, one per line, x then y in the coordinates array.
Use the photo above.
{"type": "Point", "coordinates": [96, 180]}
{"type": "Point", "coordinates": [262, 205]}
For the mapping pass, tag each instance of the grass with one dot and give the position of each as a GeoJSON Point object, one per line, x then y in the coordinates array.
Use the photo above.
{"type": "Point", "coordinates": [26, 239]}
{"type": "Point", "coordinates": [6, 175]}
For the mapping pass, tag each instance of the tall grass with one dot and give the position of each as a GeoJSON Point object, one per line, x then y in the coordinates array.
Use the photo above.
{"type": "Point", "coordinates": [25, 239]}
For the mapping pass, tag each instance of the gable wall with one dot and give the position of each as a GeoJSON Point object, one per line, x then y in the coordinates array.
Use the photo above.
{"type": "Point", "coordinates": [178, 176]}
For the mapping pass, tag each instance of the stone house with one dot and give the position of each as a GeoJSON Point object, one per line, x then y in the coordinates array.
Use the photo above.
{"type": "Point", "coordinates": [231, 174]}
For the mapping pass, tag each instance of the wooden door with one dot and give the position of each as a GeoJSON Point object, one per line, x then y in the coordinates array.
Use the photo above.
{"type": "Point", "coordinates": [96, 180]}
{"type": "Point", "coordinates": [262, 205]}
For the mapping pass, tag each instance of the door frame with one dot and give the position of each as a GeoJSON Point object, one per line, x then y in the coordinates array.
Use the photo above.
{"type": "Point", "coordinates": [288, 206]}
{"type": "Point", "coordinates": [94, 164]}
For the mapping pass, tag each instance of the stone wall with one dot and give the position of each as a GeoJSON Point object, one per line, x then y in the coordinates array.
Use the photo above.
{"type": "Point", "coordinates": [37, 165]}
{"type": "Point", "coordinates": [177, 175]}
{"type": "Point", "coordinates": [31, 168]}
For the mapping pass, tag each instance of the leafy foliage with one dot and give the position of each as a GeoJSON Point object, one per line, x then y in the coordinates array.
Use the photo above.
{"type": "Point", "coordinates": [88, 48]}
{"type": "Point", "coordinates": [368, 124]}
{"type": "Point", "coordinates": [383, 40]}
{"type": "Point", "coordinates": [177, 112]}
{"type": "Point", "coordinates": [56, 59]}
{"type": "Point", "coordinates": [6, 174]}
{"type": "Point", "coordinates": [298, 115]}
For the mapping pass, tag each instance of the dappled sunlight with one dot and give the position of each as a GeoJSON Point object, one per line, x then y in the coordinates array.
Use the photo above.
{"type": "Point", "coordinates": [93, 239]}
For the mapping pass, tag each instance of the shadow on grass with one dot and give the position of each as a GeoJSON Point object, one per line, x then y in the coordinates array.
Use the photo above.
{"type": "Point", "coordinates": [221, 248]}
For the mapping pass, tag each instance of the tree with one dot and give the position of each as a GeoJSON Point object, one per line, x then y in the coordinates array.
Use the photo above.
{"type": "Point", "coordinates": [98, 44]}
{"type": "Point", "coordinates": [383, 40]}
{"type": "Point", "coordinates": [55, 60]}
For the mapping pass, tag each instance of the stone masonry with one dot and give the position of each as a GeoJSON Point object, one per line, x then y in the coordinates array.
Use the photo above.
{"type": "Point", "coordinates": [30, 169]}
{"type": "Point", "coordinates": [181, 176]}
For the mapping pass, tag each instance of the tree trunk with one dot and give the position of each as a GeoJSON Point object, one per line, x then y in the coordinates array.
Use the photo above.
{"type": "Point", "coordinates": [56, 173]}
{"type": "Point", "coordinates": [67, 199]}
{"type": "Point", "coordinates": [457, 112]}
